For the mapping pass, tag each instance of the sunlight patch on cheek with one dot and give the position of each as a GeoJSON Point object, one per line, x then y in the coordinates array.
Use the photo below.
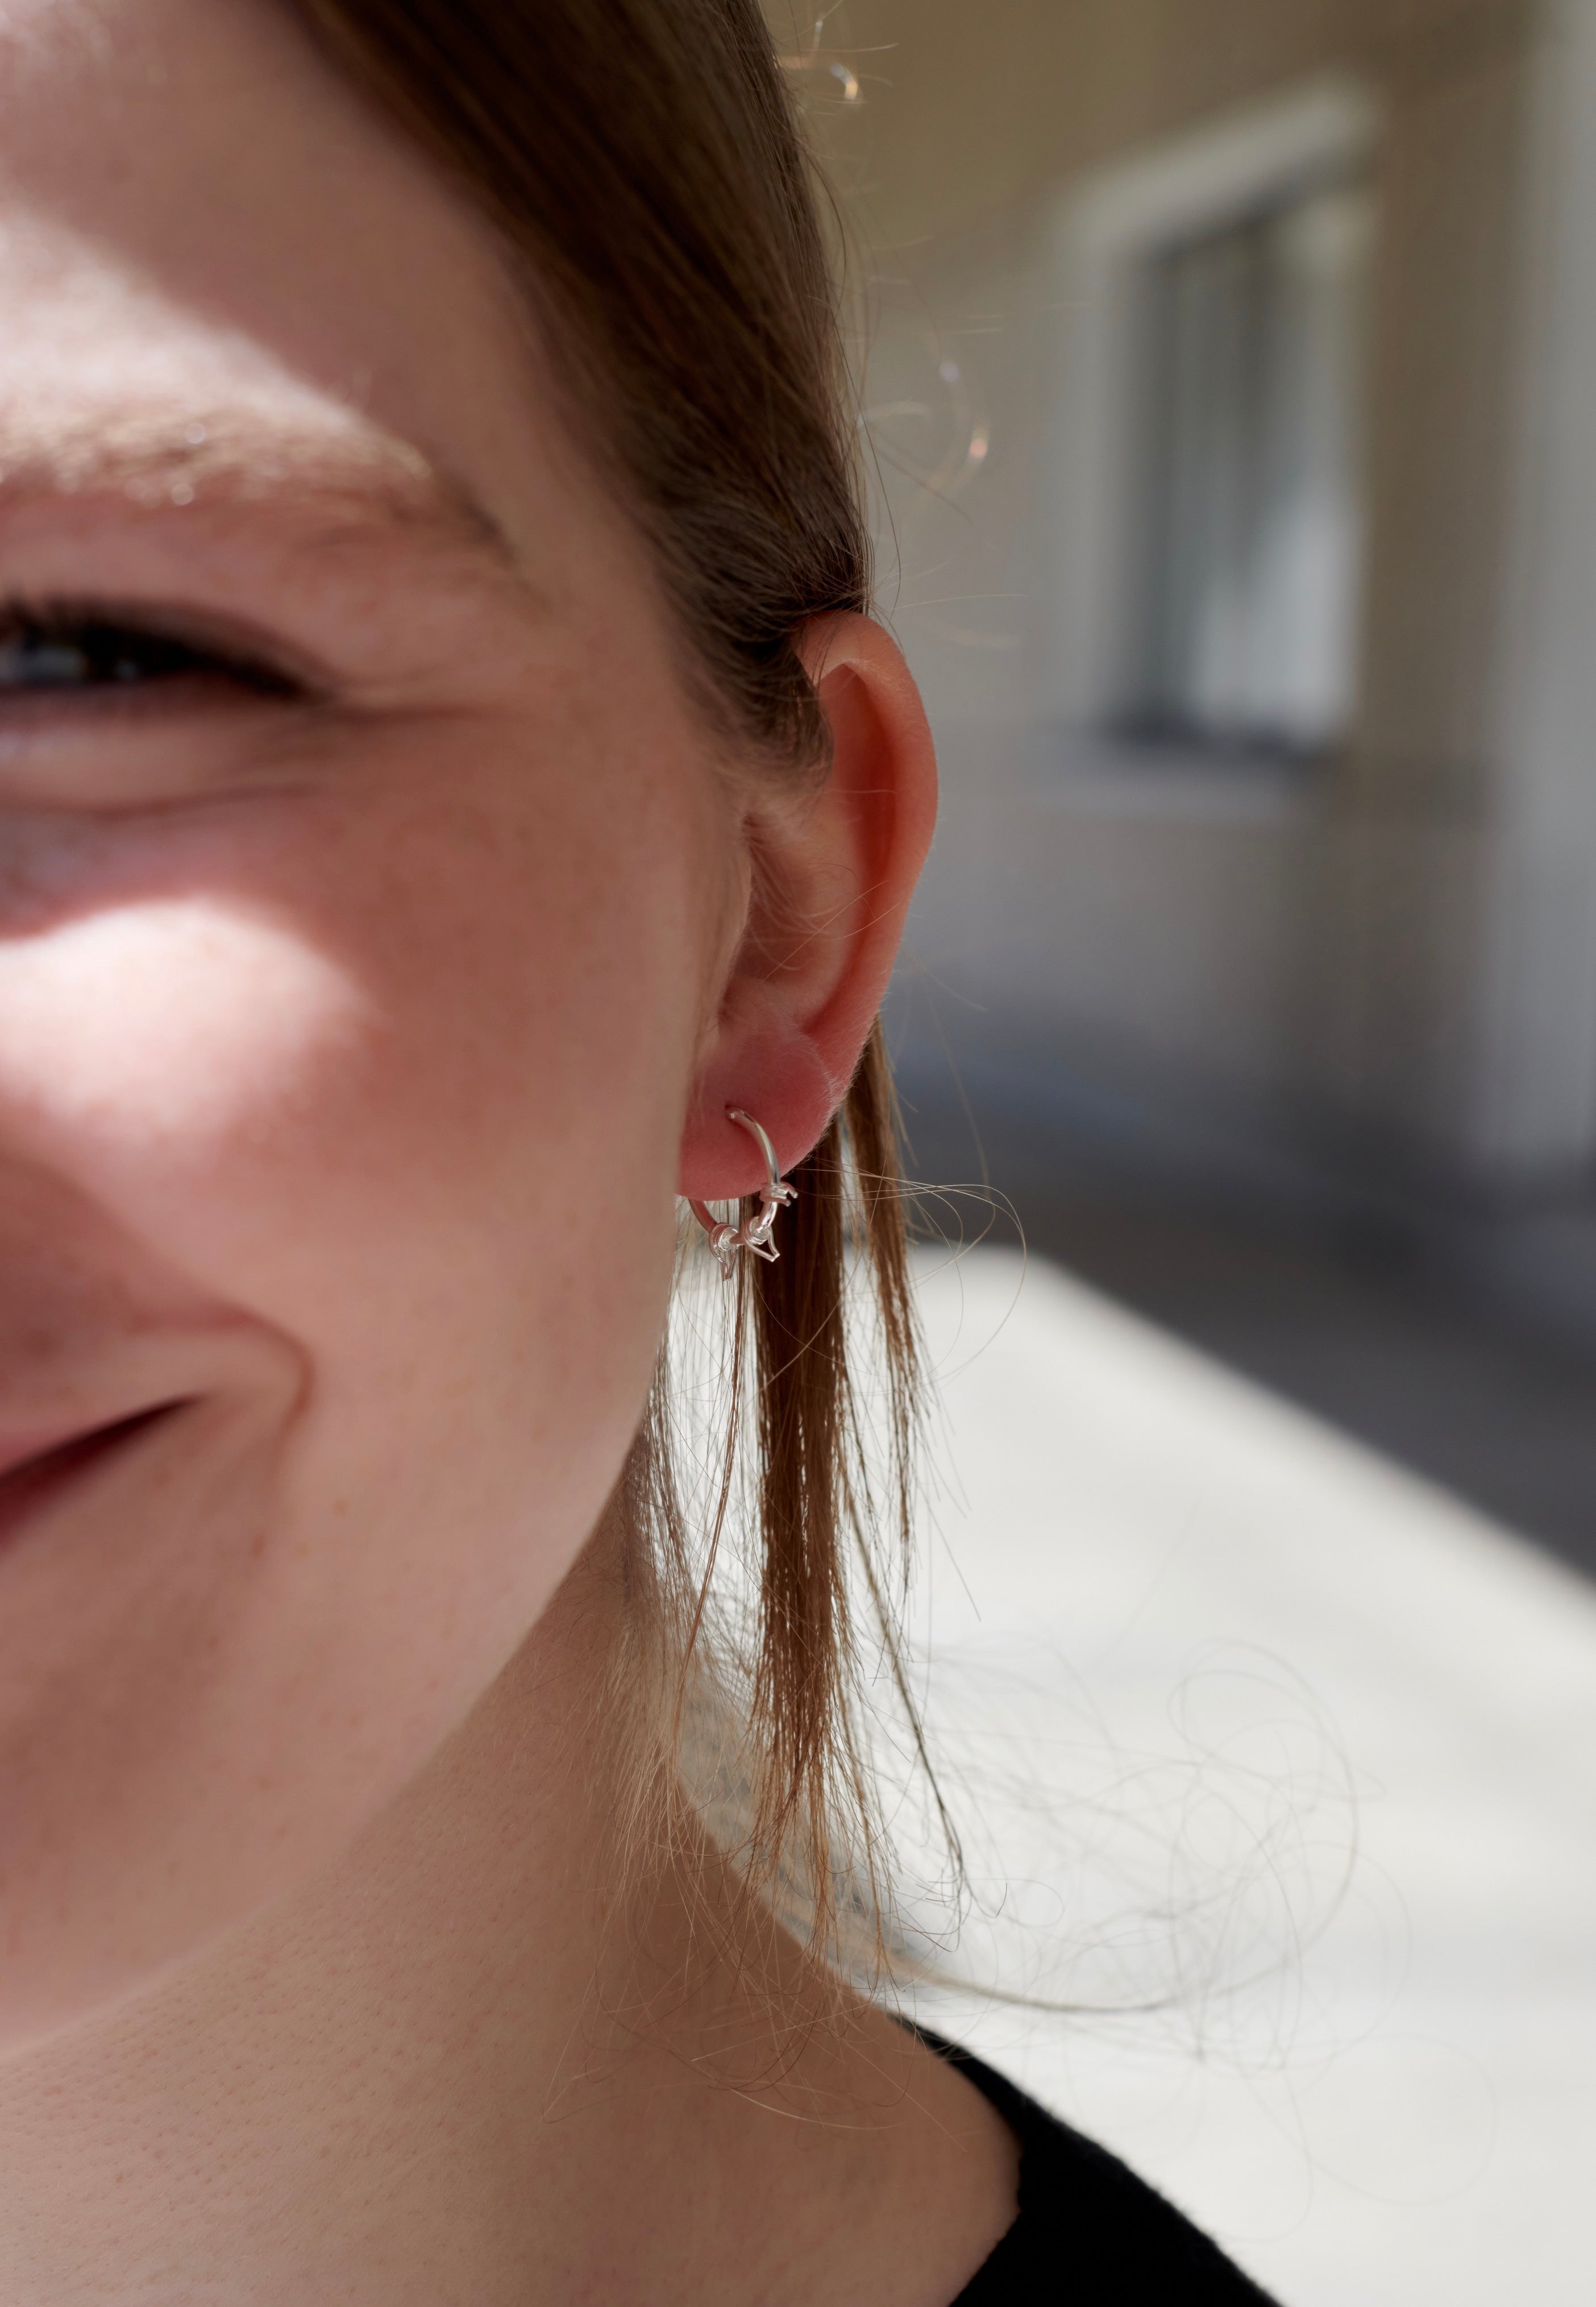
{"type": "Point", "coordinates": [178, 1028]}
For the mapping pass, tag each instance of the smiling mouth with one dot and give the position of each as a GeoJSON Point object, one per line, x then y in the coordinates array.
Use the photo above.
{"type": "Point", "coordinates": [40, 1480]}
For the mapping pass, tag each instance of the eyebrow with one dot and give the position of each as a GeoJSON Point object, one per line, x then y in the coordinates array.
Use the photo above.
{"type": "Point", "coordinates": [351, 470]}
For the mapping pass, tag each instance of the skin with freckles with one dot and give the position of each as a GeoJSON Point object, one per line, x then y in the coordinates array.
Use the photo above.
{"type": "Point", "coordinates": [380, 947]}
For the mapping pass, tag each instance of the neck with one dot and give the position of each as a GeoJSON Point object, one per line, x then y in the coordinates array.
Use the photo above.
{"type": "Point", "coordinates": [483, 2058]}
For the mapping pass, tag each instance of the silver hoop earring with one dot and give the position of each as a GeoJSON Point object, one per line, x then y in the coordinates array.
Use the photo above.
{"type": "Point", "coordinates": [753, 1233]}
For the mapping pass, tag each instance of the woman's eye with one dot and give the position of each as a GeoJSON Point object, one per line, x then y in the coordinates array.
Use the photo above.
{"type": "Point", "coordinates": [77, 653]}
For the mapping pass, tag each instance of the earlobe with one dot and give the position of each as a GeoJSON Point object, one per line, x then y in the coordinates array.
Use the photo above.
{"type": "Point", "coordinates": [835, 880]}
{"type": "Point", "coordinates": [768, 1066]}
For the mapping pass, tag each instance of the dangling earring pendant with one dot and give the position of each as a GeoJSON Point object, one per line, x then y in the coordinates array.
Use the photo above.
{"type": "Point", "coordinates": [753, 1233]}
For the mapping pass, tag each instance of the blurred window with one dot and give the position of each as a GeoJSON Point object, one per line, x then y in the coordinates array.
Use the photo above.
{"type": "Point", "coordinates": [1249, 350]}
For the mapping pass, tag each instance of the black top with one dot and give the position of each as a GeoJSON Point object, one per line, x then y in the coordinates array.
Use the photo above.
{"type": "Point", "coordinates": [1088, 2229]}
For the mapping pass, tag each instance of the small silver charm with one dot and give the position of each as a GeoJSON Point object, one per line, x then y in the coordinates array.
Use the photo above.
{"type": "Point", "coordinates": [754, 1233]}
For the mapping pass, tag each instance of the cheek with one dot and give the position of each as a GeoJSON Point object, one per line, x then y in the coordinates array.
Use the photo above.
{"type": "Point", "coordinates": [402, 1078]}
{"type": "Point", "coordinates": [338, 1039]}
{"type": "Point", "coordinates": [148, 1040]}
{"type": "Point", "coordinates": [403, 1090]}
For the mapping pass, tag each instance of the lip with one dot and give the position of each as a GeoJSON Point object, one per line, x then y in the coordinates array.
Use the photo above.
{"type": "Point", "coordinates": [34, 1474]}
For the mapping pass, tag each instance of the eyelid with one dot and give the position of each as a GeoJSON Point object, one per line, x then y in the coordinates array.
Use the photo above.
{"type": "Point", "coordinates": [233, 644]}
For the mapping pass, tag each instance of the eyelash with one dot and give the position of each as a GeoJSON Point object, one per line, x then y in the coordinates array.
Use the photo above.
{"type": "Point", "coordinates": [68, 648]}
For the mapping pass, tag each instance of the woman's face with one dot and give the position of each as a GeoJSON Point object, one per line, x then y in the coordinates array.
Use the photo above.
{"type": "Point", "coordinates": [354, 955]}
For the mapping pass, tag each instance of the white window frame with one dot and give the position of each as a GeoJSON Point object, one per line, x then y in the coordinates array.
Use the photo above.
{"type": "Point", "coordinates": [1100, 239]}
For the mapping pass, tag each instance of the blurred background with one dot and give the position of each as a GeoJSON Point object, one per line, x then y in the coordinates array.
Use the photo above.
{"type": "Point", "coordinates": [1231, 384]}
{"type": "Point", "coordinates": [1230, 381]}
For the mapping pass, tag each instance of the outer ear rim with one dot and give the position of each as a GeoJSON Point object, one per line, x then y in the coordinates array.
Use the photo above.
{"type": "Point", "coordinates": [793, 1070]}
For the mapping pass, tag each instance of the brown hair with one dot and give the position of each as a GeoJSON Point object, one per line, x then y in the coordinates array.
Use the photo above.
{"type": "Point", "coordinates": [643, 160]}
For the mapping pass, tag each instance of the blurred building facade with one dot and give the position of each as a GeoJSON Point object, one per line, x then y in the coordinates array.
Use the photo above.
{"type": "Point", "coordinates": [1231, 382]}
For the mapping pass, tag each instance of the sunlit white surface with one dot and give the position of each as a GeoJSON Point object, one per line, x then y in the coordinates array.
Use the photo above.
{"type": "Point", "coordinates": [1163, 1606]}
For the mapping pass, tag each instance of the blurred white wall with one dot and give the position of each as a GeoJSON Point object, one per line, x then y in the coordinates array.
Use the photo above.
{"type": "Point", "coordinates": [1387, 942]}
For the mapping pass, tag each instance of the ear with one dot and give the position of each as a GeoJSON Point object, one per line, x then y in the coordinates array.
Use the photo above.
{"type": "Point", "coordinates": [832, 873]}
